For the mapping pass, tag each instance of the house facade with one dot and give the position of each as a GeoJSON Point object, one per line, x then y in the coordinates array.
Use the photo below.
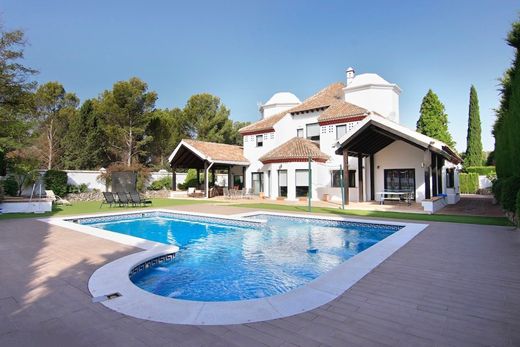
{"type": "Point", "coordinates": [322, 123]}
{"type": "Point", "coordinates": [347, 133]}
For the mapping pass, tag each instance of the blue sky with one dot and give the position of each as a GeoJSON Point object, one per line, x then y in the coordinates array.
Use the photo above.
{"type": "Point", "coordinates": [244, 51]}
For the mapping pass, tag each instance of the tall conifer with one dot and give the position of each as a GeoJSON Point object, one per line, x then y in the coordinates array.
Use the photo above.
{"type": "Point", "coordinates": [433, 121]}
{"type": "Point", "coordinates": [474, 141]}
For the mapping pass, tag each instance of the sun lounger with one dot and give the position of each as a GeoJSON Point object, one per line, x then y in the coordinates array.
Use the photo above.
{"type": "Point", "coordinates": [123, 199]}
{"type": "Point", "coordinates": [109, 199]}
{"type": "Point", "coordinates": [137, 200]}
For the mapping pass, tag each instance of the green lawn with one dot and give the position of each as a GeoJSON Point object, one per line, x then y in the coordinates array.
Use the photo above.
{"type": "Point", "coordinates": [88, 207]}
{"type": "Point", "coordinates": [383, 214]}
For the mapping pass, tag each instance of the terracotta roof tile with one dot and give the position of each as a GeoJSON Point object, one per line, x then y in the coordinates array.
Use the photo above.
{"type": "Point", "coordinates": [218, 151]}
{"type": "Point", "coordinates": [264, 124]}
{"type": "Point", "coordinates": [296, 149]}
{"type": "Point", "coordinates": [341, 110]}
{"type": "Point", "coordinates": [329, 95]}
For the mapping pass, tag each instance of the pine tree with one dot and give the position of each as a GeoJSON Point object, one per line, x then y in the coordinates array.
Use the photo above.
{"type": "Point", "coordinates": [85, 144]}
{"type": "Point", "coordinates": [208, 119]}
{"type": "Point", "coordinates": [433, 121]}
{"type": "Point", "coordinates": [474, 141]}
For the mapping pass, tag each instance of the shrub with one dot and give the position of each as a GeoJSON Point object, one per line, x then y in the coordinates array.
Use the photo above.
{"type": "Point", "coordinates": [468, 183]}
{"type": "Point", "coordinates": [56, 181]}
{"type": "Point", "coordinates": [72, 189]}
{"type": "Point", "coordinates": [163, 183]}
{"type": "Point", "coordinates": [190, 181]}
{"type": "Point", "coordinates": [510, 188]}
{"type": "Point", "coordinates": [481, 170]}
{"type": "Point", "coordinates": [1, 191]}
{"type": "Point", "coordinates": [10, 186]}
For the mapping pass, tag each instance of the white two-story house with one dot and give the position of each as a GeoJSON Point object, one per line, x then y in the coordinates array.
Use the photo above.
{"type": "Point", "coordinates": [351, 126]}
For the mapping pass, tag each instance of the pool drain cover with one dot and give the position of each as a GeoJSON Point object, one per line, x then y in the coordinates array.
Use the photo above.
{"type": "Point", "coordinates": [105, 297]}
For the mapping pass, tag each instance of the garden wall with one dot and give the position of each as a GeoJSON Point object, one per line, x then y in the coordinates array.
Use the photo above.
{"type": "Point", "coordinates": [89, 177]}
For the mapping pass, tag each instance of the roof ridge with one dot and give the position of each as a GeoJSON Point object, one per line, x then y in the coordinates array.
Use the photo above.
{"type": "Point", "coordinates": [295, 149]}
{"type": "Point", "coordinates": [215, 143]}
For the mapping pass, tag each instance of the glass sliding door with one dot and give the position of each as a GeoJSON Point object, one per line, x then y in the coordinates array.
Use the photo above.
{"type": "Point", "coordinates": [400, 180]}
{"type": "Point", "coordinates": [258, 182]}
{"type": "Point", "coordinates": [282, 183]}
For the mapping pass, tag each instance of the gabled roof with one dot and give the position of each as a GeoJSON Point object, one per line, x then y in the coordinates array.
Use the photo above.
{"type": "Point", "coordinates": [375, 132]}
{"type": "Point", "coordinates": [263, 125]}
{"type": "Point", "coordinates": [331, 98]}
{"type": "Point", "coordinates": [342, 111]}
{"type": "Point", "coordinates": [211, 151]}
{"type": "Point", "coordinates": [296, 149]}
{"type": "Point", "coordinates": [329, 95]}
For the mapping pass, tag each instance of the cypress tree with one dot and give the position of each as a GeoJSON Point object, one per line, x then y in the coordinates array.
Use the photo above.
{"type": "Point", "coordinates": [474, 142]}
{"type": "Point", "coordinates": [433, 121]}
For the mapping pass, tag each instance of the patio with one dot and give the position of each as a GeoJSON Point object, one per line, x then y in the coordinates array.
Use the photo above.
{"type": "Point", "coordinates": [454, 284]}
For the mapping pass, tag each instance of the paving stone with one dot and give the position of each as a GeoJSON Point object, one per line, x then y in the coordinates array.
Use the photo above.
{"type": "Point", "coordinates": [452, 285]}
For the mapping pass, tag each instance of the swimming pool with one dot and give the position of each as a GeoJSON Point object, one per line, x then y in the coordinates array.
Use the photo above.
{"type": "Point", "coordinates": [260, 256]}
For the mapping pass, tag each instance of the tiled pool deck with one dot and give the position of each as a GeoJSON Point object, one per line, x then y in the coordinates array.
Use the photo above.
{"type": "Point", "coordinates": [453, 285]}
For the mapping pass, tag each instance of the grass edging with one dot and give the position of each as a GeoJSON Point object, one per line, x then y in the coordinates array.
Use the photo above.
{"type": "Point", "coordinates": [500, 221]}
{"type": "Point", "coordinates": [92, 207]}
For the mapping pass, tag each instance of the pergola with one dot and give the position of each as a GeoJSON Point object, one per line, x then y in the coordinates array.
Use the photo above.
{"type": "Point", "coordinates": [206, 157]}
{"type": "Point", "coordinates": [375, 133]}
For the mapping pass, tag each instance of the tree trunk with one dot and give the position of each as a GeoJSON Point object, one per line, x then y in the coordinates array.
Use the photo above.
{"type": "Point", "coordinates": [50, 145]}
{"type": "Point", "coordinates": [129, 161]}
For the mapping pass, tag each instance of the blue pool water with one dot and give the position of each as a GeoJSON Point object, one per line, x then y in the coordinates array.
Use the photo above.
{"type": "Point", "coordinates": [222, 260]}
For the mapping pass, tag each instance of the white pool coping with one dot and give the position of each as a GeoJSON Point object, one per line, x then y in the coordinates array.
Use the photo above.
{"type": "Point", "coordinates": [136, 302]}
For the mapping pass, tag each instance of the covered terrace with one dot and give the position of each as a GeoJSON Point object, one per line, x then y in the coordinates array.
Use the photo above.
{"type": "Point", "coordinates": [208, 157]}
{"type": "Point", "coordinates": [384, 148]}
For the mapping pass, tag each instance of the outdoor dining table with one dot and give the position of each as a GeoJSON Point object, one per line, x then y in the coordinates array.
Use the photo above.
{"type": "Point", "coordinates": [395, 195]}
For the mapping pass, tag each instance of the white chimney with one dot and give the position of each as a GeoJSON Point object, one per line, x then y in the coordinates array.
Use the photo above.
{"type": "Point", "coordinates": [350, 75]}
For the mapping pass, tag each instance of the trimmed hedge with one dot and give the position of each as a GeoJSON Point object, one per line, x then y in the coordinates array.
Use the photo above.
{"type": "Point", "coordinates": [56, 181]}
{"type": "Point", "coordinates": [509, 191]}
{"type": "Point", "coordinates": [468, 183]}
{"type": "Point", "coordinates": [481, 170]}
{"type": "Point", "coordinates": [496, 188]}
{"type": "Point", "coordinates": [518, 208]}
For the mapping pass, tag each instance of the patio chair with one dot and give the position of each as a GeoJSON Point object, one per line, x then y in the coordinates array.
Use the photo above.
{"type": "Point", "coordinates": [191, 192]}
{"type": "Point", "coordinates": [138, 200]}
{"type": "Point", "coordinates": [109, 199]}
{"type": "Point", "coordinates": [123, 199]}
{"type": "Point", "coordinates": [56, 199]}
{"type": "Point", "coordinates": [225, 193]}
{"type": "Point", "coordinates": [249, 193]}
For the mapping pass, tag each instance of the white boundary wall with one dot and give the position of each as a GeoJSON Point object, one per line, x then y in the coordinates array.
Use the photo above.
{"type": "Point", "coordinates": [90, 178]}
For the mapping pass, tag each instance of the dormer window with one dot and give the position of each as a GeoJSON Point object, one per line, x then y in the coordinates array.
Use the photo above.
{"type": "Point", "coordinates": [313, 132]}
{"type": "Point", "coordinates": [259, 140]}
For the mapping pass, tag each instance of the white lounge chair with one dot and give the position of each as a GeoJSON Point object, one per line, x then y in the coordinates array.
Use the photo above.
{"type": "Point", "coordinates": [56, 199]}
